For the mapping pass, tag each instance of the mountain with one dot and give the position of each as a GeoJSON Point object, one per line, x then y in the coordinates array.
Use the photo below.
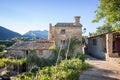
{"type": "Point", "coordinates": [36, 34]}
{"type": "Point", "coordinates": [7, 34]}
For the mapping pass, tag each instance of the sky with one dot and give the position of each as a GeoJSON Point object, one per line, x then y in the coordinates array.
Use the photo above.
{"type": "Point", "coordinates": [24, 15]}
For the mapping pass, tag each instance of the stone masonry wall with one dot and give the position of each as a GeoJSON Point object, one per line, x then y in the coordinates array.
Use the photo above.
{"type": "Point", "coordinates": [69, 33]}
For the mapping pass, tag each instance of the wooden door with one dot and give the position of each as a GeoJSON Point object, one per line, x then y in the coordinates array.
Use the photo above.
{"type": "Point", "coordinates": [118, 44]}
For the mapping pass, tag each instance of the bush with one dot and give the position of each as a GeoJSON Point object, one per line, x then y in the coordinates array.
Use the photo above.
{"type": "Point", "coordinates": [85, 66]}
{"type": "Point", "coordinates": [66, 70]}
{"type": "Point", "coordinates": [2, 64]}
{"type": "Point", "coordinates": [2, 47]}
{"type": "Point", "coordinates": [70, 72]}
{"type": "Point", "coordinates": [66, 64]}
{"type": "Point", "coordinates": [80, 56]}
{"type": "Point", "coordinates": [2, 54]}
{"type": "Point", "coordinates": [34, 69]}
{"type": "Point", "coordinates": [26, 76]}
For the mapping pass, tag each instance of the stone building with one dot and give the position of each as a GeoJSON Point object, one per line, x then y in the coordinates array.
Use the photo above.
{"type": "Point", "coordinates": [104, 46]}
{"type": "Point", "coordinates": [61, 32]}
{"type": "Point", "coordinates": [97, 46]}
{"type": "Point", "coordinates": [22, 49]}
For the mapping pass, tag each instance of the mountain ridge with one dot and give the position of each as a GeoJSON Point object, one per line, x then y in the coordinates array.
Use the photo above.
{"type": "Point", "coordinates": [6, 34]}
{"type": "Point", "coordinates": [36, 34]}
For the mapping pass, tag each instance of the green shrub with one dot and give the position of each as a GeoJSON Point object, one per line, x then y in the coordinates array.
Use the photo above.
{"type": "Point", "coordinates": [2, 54]}
{"type": "Point", "coordinates": [45, 73]}
{"type": "Point", "coordinates": [66, 70]}
{"type": "Point", "coordinates": [80, 56]}
{"type": "Point", "coordinates": [85, 66]}
{"type": "Point", "coordinates": [6, 62]}
{"type": "Point", "coordinates": [2, 47]}
{"type": "Point", "coordinates": [71, 67]}
{"type": "Point", "coordinates": [2, 64]}
{"type": "Point", "coordinates": [66, 64]}
{"type": "Point", "coordinates": [26, 76]}
{"type": "Point", "coordinates": [34, 69]}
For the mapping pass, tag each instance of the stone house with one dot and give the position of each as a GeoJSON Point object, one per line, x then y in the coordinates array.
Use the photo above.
{"type": "Point", "coordinates": [21, 49]}
{"type": "Point", "coordinates": [104, 46]}
{"type": "Point", "coordinates": [61, 32]}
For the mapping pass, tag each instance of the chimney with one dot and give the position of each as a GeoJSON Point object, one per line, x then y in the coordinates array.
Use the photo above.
{"type": "Point", "coordinates": [50, 25]}
{"type": "Point", "coordinates": [50, 31]}
{"type": "Point", "coordinates": [77, 20]}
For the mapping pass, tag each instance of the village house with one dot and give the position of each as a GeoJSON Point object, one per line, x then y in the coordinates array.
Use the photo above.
{"type": "Point", "coordinates": [61, 32]}
{"type": "Point", "coordinates": [22, 49]}
{"type": "Point", "coordinates": [104, 46]}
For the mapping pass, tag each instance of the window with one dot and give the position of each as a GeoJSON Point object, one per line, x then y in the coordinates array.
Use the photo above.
{"type": "Point", "coordinates": [63, 44]}
{"type": "Point", "coordinates": [52, 36]}
{"type": "Point", "coordinates": [114, 45]}
{"type": "Point", "coordinates": [27, 52]}
{"type": "Point", "coordinates": [62, 31]}
{"type": "Point", "coordinates": [94, 42]}
{"type": "Point", "coordinates": [62, 41]}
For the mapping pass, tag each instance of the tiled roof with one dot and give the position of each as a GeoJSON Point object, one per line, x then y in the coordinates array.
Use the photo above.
{"type": "Point", "coordinates": [65, 24]}
{"type": "Point", "coordinates": [40, 44]}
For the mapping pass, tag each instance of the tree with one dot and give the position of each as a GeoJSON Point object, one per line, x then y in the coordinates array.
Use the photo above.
{"type": "Point", "coordinates": [109, 11]}
{"type": "Point", "coordinates": [2, 47]}
{"type": "Point", "coordinates": [103, 29]}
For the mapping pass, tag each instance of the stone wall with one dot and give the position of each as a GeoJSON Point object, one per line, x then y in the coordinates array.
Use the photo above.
{"type": "Point", "coordinates": [109, 46]}
{"type": "Point", "coordinates": [15, 53]}
{"type": "Point", "coordinates": [47, 54]}
{"type": "Point", "coordinates": [70, 32]}
{"type": "Point", "coordinates": [19, 53]}
{"type": "Point", "coordinates": [51, 33]}
{"type": "Point", "coordinates": [98, 50]}
{"type": "Point", "coordinates": [78, 49]}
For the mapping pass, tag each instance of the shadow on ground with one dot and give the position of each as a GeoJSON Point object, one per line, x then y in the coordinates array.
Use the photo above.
{"type": "Point", "coordinates": [98, 74]}
{"type": "Point", "coordinates": [100, 70]}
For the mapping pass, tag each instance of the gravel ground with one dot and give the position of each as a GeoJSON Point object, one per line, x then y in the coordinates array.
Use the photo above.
{"type": "Point", "coordinates": [102, 70]}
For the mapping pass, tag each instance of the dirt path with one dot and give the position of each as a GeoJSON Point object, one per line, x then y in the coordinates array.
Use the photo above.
{"type": "Point", "coordinates": [102, 70]}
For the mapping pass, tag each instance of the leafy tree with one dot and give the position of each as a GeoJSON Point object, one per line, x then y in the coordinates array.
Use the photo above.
{"type": "Point", "coordinates": [2, 47]}
{"type": "Point", "coordinates": [109, 11]}
{"type": "Point", "coordinates": [102, 29]}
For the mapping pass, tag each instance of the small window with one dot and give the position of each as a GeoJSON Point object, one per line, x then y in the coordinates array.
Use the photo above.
{"type": "Point", "coordinates": [114, 45]}
{"type": "Point", "coordinates": [62, 41]}
{"type": "Point", "coordinates": [62, 31]}
{"type": "Point", "coordinates": [94, 42]}
{"type": "Point", "coordinates": [27, 52]}
{"type": "Point", "coordinates": [52, 36]}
